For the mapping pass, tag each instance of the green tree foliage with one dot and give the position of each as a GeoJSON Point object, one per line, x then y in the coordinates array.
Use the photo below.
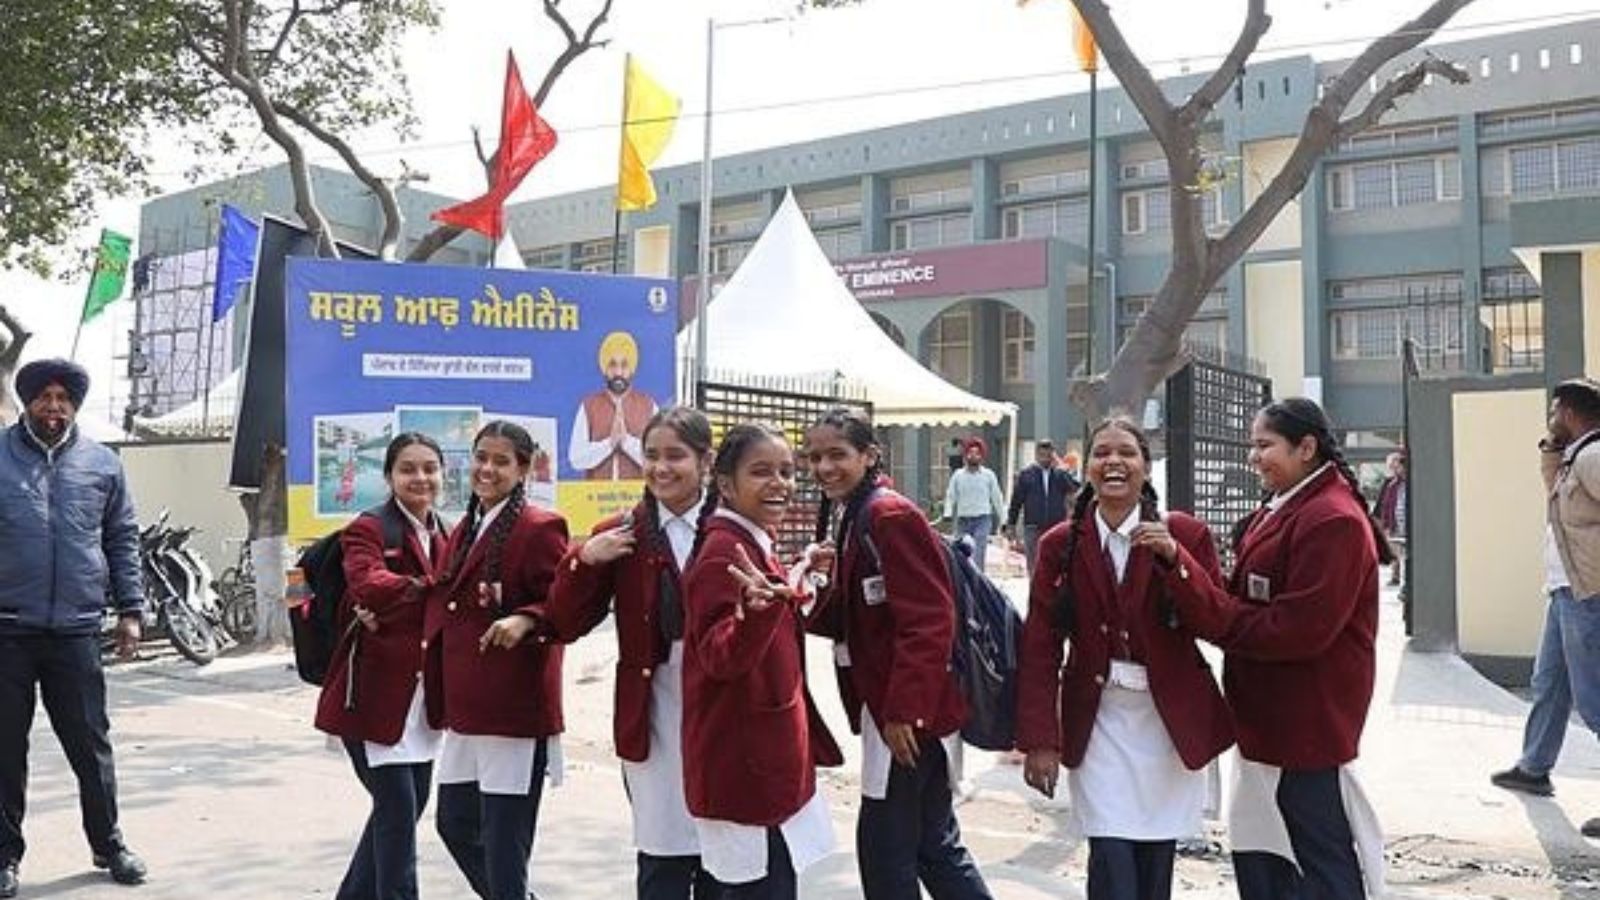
{"type": "Point", "coordinates": [81, 84]}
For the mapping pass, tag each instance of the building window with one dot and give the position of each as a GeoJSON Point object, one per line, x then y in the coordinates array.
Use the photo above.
{"type": "Point", "coordinates": [840, 243]}
{"type": "Point", "coordinates": [735, 227]}
{"type": "Point", "coordinates": [933, 231]}
{"type": "Point", "coordinates": [546, 257]}
{"type": "Point", "coordinates": [1404, 289]}
{"type": "Point", "coordinates": [950, 347]}
{"type": "Point", "coordinates": [1376, 333]}
{"type": "Point", "coordinates": [1016, 363]}
{"type": "Point", "coordinates": [1575, 114]}
{"type": "Point", "coordinates": [837, 212]}
{"type": "Point", "coordinates": [932, 199]}
{"type": "Point", "coordinates": [1209, 328]}
{"type": "Point", "coordinates": [1512, 315]}
{"type": "Point", "coordinates": [595, 256]}
{"type": "Point", "coordinates": [1150, 211]}
{"type": "Point", "coordinates": [1048, 183]}
{"type": "Point", "coordinates": [1061, 218]}
{"type": "Point", "coordinates": [1559, 167]}
{"type": "Point", "coordinates": [1386, 184]}
{"type": "Point", "coordinates": [1150, 168]}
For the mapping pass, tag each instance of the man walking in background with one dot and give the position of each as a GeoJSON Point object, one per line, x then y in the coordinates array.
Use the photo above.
{"type": "Point", "coordinates": [1042, 492]}
{"type": "Point", "coordinates": [69, 535]}
{"type": "Point", "coordinates": [973, 499]}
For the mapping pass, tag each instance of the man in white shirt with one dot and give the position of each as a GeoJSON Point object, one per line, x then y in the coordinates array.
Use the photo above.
{"type": "Point", "coordinates": [606, 431]}
{"type": "Point", "coordinates": [973, 500]}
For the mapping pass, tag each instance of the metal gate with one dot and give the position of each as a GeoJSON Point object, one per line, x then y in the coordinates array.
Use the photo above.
{"type": "Point", "coordinates": [1210, 406]}
{"type": "Point", "coordinates": [793, 412]}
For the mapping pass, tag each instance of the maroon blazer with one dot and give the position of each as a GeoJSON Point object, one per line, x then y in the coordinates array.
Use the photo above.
{"type": "Point", "coordinates": [391, 583]}
{"type": "Point", "coordinates": [583, 594]}
{"type": "Point", "coordinates": [509, 693]}
{"type": "Point", "coordinates": [1056, 705]}
{"type": "Point", "coordinates": [1299, 663]}
{"type": "Point", "coordinates": [900, 647]}
{"type": "Point", "coordinates": [752, 738]}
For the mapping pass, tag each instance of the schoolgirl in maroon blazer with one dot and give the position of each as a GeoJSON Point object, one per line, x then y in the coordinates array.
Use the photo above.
{"type": "Point", "coordinates": [752, 738]}
{"type": "Point", "coordinates": [372, 697]}
{"type": "Point", "coordinates": [493, 687]}
{"type": "Point", "coordinates": [632, 565]}
{"type": "Point", "coordinates": [1135, 714]}
{"type": "Point", "coordinates": [891, 612]}
{"type": "Point", "coordinates": [1297, 621]}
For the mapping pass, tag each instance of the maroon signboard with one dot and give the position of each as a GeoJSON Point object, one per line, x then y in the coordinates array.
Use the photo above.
{"type": "Point", "coordinates": [947, 271]}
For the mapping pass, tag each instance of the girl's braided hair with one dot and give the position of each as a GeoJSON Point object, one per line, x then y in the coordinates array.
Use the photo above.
{"type": "Point", "coordinates": [1065, 608]}
{"type": "Point", "coordinates": [1296, 418]}
{"type": "Point", "coordinates": [522, 447]}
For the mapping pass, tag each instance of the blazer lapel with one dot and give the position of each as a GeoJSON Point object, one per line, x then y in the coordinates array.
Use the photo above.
{"type": "Point", "coordinates": [1091, 556]}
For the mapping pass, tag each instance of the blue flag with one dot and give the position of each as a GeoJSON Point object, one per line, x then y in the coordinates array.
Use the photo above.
{"type": "Point", "coordinates": [236, 259]}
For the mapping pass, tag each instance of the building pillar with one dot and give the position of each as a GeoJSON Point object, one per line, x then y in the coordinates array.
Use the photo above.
{"type": "Point", "coordinates": [1471, 242]}
{"type": "Point", "coordinates": [1561, 283]}
{"type": "Point", "coordinates": [1052, 410]}
{"type": "Point", "coordinates": [1313, 290]}
{"type": "Point", "coordinates": [874, 213]}
{"type": "Point", "coordinates": [985, 199]}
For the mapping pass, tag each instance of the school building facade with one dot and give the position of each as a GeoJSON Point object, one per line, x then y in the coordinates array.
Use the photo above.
{"type": "Point", "coordinates": [964, 235]}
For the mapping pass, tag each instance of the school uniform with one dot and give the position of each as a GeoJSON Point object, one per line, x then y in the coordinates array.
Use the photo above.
{"type": "Point", "coordinates": [500, 708]}
{"type": "Point", "coordinates": [644, 591]}
{"type": "Point", "coordinates": [1135, 712]}
{"type": "Point", "coordinates": [1297, 621]}
{"type": "Point", "coordinates": [892, 616]}
{"type": "Point", "coordinates": [752, 738]}
{"type": "Point", "coordinates": [372, 698]}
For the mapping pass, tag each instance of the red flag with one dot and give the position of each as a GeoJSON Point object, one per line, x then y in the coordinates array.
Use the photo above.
{"type": "Point", "coordinates": [524, 140]}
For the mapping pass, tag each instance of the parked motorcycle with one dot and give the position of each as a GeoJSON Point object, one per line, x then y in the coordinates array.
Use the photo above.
{"type": "Point", "coordinates": [180, 601]}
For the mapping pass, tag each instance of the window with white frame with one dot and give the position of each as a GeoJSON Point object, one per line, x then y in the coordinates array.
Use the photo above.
{"type": "Point", "coordinates": [933, 231]}
{"type": "Point", "coordinates": [931, 199]}
{"type": "Point", "coordinates": [1060, 218]}
{"type": "Point", "coordinates": [1389, 183]}
{"type": "Point", "coordinates": [727, 257]}
{"type": "Point", "coordinates": [950, 346]}
{"type": "Point", "coordinates": [1410, 288]}
{"type": "Point", "coordinates": [595, 256]}
{"type": "Point", "coordinates": [840, 243]}
{"type": "Point", "coordinates": [1016, 361]}
{"type": "Point", "coordinates": [546, 257]}
{"type": "Point", "coordinates": [836, 212]}
{"type": "Point", "coordinates": [1046, 183]}
{"type": "Point", "coordinates": [1378, 332]}
{"type": "Point", "coordinates": [1150, 211]}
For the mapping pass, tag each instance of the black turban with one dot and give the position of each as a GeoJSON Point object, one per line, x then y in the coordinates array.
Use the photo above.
{"type": "Point", "coordinates": [34, 377]}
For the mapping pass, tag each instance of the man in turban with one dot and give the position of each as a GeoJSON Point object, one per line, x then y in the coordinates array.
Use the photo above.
{"type": "Point", "coordinates": [69, 535]}
{"type": "Point", "coordinates": [608, 431]}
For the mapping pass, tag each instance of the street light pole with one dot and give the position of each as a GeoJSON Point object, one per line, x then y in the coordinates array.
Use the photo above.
{"type": "Point", "coordinates": [703, 296]}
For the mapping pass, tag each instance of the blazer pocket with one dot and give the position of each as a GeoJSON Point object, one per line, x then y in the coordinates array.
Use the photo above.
{"type": "Point", "coordinates": [773, 746]}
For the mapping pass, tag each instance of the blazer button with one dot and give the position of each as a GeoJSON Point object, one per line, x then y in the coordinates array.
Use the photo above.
{"type": "Point", "coordinates": [419, 675]}
{"type": "Point", "coordinates": [1100, 679]}
{"type": "Point", "coordinates": [424, 643]}
{"type": "Point", "coordinates": [919, 724]}
{"type": "Point", "coordinates": [451, 606]}
{"type": "Point", "coordinates": [645, 672]}
{"type": "Point", "coordinates": [1104, 629]}
{"type": "Point", "coordinates": [1124, 635]}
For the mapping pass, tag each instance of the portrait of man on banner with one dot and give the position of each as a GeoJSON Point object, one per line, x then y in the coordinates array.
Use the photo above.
{"type": "Point", "coordinates": [608, 430]}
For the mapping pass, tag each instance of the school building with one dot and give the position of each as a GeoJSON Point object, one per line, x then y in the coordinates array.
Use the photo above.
{"type": "Point", "coordinates": [964, 235]}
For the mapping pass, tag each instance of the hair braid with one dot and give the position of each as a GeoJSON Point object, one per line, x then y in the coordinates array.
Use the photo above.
{"type": "Point", "coordinates": [469, 527]}
{"type": "Point", "coordinates": [500, 530]}
{"type": "Point", "coordinates": [1065, 609]}
{"type": "Point", "coordinates": [1336, 456]}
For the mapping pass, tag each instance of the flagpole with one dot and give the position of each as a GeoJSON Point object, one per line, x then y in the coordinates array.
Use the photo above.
{"type": "Point", "coordinates": [1094, 140]}
{"type": "Point", "coordinates": [622, 143]}
{"type": "Point", "coordinates": [703, 297]}
{"type": "Point", "coordinates": [78, 332]}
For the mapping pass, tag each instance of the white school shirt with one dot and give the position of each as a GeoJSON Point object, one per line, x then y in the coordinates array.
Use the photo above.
{"type": "Point", "coordinates": [662, 825]}
{"type": "Point", "coordinates": [419, 742]}
{"type": "Point", "coordinates": [499, 764]}
{"type": "Point", "coordinates": [735, 853]}
{"type": "Point", "coordinates": [1255, 823]}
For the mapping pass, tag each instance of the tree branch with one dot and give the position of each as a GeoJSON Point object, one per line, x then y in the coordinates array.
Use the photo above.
{"type": "Point", "coordinates": [295, 12]}
{"type": "Point", "coordinates": [1131, 72]}
{"type": "Point", "coordinates": [19, 336]}
{"type": "Point", "coordinates": [393, 218]}
{"type": "Point", "coordinates": [1387, 48]}
{"type": "Point", "coordinates": [1404, 84]}
{"type": "Point", "coordinates": [1200, 104]}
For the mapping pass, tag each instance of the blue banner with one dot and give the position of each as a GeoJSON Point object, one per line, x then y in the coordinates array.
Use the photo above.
{"type": "Point", "coordinates": [375, 349]}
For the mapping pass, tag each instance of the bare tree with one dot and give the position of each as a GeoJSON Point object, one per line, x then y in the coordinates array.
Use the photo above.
{"type": "Point", "coordinates": [577, 45]}
{"type": "Point", "coordinates": [12, 339]}
{"type": "Point", "coordinates": [1154, 348]}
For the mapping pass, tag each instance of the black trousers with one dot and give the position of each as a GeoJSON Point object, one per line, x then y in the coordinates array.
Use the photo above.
{"type": "Point", "coordinates": [911, 835]}
{"type": "Point", "coordinates": [675, 878]}
{"type": "Point", "coordinates": [1121, 869]}
{"type": "Point", "coordinates": [65, 671]}
{"type": "Point", "coordinates": [1313, 809]}
{"type": "Point", "coordinates": [490, 836]}
{"type": "Point", "coordinates": [384, 865]}
{"type": "Point", "coordinates": [780, 882]}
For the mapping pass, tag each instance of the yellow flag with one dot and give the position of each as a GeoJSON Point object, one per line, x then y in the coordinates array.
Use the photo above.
{"type": "Point", "coordinates": [648, 116]}
{"type": "Point", "coordinates": [1083, 43]}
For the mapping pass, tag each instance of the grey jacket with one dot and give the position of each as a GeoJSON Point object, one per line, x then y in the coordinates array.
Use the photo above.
{"type": "Point", "coordinates": [69, 541]}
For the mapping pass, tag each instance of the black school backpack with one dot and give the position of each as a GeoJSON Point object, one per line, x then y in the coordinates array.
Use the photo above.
{"type": "Point", "coordinates": [314, 624]}
{"type": "Point", "coordinates": [984, 656]}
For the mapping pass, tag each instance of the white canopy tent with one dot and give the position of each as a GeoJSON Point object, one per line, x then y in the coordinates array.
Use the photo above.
{"type": "Point", "coordinates": [785, 312]}
{"type": "Point", "coordinates": [212, 414]}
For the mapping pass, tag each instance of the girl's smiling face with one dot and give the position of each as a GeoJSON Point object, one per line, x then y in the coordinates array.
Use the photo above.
{"type": "Point", "coordinates": [1116, 467]}
{"type": "Point", "coordinates": [495, 469]}
{"type": "Point", "coordinates": [837, 465]}
{"type": "Point", "coordinates": [762, 483]}
{"type": "Point", "coordinates": [672, 469]}
{"type": "Point", "coordinates": [416, 478]}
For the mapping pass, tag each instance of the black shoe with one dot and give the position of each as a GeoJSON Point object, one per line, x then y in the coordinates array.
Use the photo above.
{"type": "Point", "coordinates": [1591, 828]}
{"type": "Point", "coordinates": [125, 865]}
{"type": "Point", "coordinates": [1514, 779]}
{"type": "Point", "coordinates": [8, 880]}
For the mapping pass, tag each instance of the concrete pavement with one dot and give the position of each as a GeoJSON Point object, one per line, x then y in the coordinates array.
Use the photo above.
{"type": "Point", "coordinates": [228, 792]}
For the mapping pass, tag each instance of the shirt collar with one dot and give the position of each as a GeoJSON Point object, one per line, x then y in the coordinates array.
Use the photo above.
{"type": "Point", "coordinates": [1566, 457]}
{"type": "Point", "coordinates": [762, 537]}
{"type": "Point", "coordinates": [1125, 530]}
{"type": "Point", "coordinates": [486, 518]}
{"type": "Point", "coordinates": [690, 517]}
{"type": "Point", "coordinates": [1278, 500]}
{"type": "Point", "coordinates": [416, 523]}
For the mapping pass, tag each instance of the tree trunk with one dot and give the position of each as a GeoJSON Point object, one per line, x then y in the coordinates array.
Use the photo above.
{"type": "Point", "coordinates": [269, 547]}
{"type": "Point", "coordinates": [12, 339]}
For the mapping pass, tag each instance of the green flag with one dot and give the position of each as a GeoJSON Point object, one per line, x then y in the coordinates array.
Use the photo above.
{"type": "Point", "coordinates": [110, 273]}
